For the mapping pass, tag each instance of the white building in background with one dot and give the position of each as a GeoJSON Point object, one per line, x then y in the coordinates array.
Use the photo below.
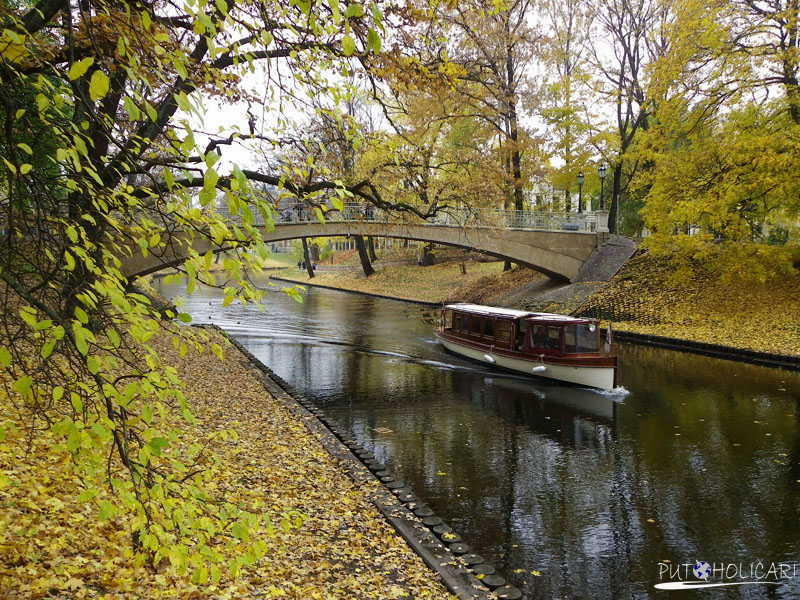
{"type": "Point", "coordinates": [543, 196]}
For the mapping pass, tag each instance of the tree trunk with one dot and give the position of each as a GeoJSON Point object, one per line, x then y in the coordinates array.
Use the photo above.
{"type": "Point", "coordinates": [793, 97]}
{"type": "Point", "coordinates": [371, 248]}
{"type": "Point", "coordinates": [363, 255]}
{"type": "Point", "coordinates": [516, 163]}
{"type": "Point", "coordinates": [790, 63]}
{"type": "Point", "coordinates": [307, 259]}
{"type": "Point", "coordinates": [507, 265]}
{"type": "Point", "coordinates": [511, 95]}
{"type": "Point", "coordinates": [427, 255]}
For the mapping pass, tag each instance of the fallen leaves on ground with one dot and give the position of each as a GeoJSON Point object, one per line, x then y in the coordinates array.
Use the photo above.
{"type": "Point", "coordinates": [644, 298]}
{"type": "Point", "coordinates": [439, 283]}
{"type": "Point", "coordinates": [52, 544]}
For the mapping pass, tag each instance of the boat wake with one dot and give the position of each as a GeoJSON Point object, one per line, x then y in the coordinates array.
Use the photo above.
{"type": "Point", "coordinates": [618, 393]}
{"type": "Point", "coordinates": [304, 340]}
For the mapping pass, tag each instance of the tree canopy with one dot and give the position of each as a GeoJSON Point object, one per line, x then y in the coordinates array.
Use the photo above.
{"type": "Point", "coordinates": [100, 159]}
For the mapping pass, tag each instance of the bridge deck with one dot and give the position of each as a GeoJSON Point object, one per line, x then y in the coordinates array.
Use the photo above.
{"type": "Point", "coordinates": [555, 244]}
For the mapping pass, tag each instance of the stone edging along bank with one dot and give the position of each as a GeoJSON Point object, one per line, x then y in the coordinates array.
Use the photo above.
{"type": "Point", "coordinates": [756, 357]}
{"type": "Point", "coordinates": [765, 359]}
{"type": "Point", "coordinates": [412, 519]}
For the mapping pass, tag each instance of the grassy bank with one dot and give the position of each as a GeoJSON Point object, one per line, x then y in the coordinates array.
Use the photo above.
{"type": "Point", "coordinates": [645, 298]}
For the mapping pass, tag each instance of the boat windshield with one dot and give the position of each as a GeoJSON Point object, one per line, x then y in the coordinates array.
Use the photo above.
{"type": "Point", "coordinates": [546, 337]}
{"type": "Point", "coordinates": [581, 338]}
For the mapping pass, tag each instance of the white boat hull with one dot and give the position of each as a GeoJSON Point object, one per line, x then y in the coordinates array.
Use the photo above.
{"type": "Point", "coordinates": [598, 377]}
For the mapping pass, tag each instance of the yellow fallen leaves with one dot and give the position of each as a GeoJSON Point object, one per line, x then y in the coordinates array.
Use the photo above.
{"type": "Point", "coordinates": [438, 283]}
{"type": "Point", "coordinates": [52, 545]}
{"type": "Point", "coordinates": [643, 298]}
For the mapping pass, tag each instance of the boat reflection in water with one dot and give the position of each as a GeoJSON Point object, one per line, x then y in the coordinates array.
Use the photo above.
{"type": "Point", "coordinates": [570, 415]}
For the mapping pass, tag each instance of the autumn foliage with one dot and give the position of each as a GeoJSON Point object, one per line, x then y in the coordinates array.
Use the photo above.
{"type": "Point", "coordinates": [55, 544]}
{"type": "Point", "coordinates": [100, 160]}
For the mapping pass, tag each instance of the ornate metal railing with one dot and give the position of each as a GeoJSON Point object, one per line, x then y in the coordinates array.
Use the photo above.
{"type": "Point", "coordinates": [588, 222]}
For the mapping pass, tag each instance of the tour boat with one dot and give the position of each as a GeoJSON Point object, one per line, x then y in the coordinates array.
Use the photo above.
{"type": "Point", "coordinates": [558, 347]}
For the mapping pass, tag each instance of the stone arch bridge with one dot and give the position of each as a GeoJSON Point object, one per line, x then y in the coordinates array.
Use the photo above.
{"type": "Point", "coordinates": [556, 244]}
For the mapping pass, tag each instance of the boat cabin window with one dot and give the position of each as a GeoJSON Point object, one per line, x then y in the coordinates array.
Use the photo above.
{"type": "Point", "coordinates": [457, 322]}
{"type": "Point", "coordinates": [465, 324]}
{"type": "Point", "coordinates": [448, 319]}
{"type": "Point", "coordinates": [522, 329]}
{"type": "Point", "coordinates": [475, 325]}
{"type": "Point", "coordinates": [503, 331]}
{"type": "Point", "coordinates": [581, 338]}
{"type": "Point", "coordinates": [547, 337]}
{"type": "Point", "coordinates": [488, 328]}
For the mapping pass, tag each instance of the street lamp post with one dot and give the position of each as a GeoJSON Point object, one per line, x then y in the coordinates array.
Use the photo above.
{"type": "Point", "coordinates": [601, 173]}
{"type": "Point", "coordinates": [580, 192]}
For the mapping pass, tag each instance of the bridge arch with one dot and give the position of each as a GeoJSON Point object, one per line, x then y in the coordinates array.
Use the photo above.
{"type": "Point", "coordinates": [557, 254]}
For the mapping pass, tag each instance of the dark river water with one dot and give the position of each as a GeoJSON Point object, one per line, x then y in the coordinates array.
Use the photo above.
{"type": "Point", "coordinates": [569, 493]}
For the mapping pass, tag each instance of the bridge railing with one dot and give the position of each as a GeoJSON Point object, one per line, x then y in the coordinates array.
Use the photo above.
{"type": "Point", "coordinates": [455, 217]}
{"type": "Point", "coordinates": [518, 219]}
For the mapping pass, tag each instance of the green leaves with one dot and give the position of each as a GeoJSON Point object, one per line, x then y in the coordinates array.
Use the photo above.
{"type": "Point", "coordinates": [80, 335]}
{"type": "Point", "coordinates": [5, 357]}
{"type": "Point", "coordinates": [354, 10]}
{"type": "Point", "coordinates": [106, 510]}
{"type": "Point", "coordinates": [348, 45]}
{"type": "Point", "coordinates": [130, 107]}
{"type": "Point", "coordinates": [47, 348]}
{"type": "Point", "coordinates": [23, 385]}
{"type": "Point", "coordinates": [86, 495]}
{"type": "Point", "coordinates": [79, 68]}
{"type": "Point", "coordinates": [98, 85]}
{"type": "Point", "coordinates": [180, 67]}
{"type": "Point", "coordinates": [373, 40]}
{"type": "Point", "coordinates": [157, 445]}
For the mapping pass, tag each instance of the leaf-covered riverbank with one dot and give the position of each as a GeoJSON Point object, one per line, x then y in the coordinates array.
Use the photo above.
{"type": "Point", "coordinates": [645, 298]}
{"type": "Point", "coordinates": [445, 282]}
{"type": "Point", "coordinates": [56, 544]}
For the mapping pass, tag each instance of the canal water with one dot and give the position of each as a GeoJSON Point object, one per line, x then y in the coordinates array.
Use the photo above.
{"type": "Point", "coordinates": [569, 493]}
